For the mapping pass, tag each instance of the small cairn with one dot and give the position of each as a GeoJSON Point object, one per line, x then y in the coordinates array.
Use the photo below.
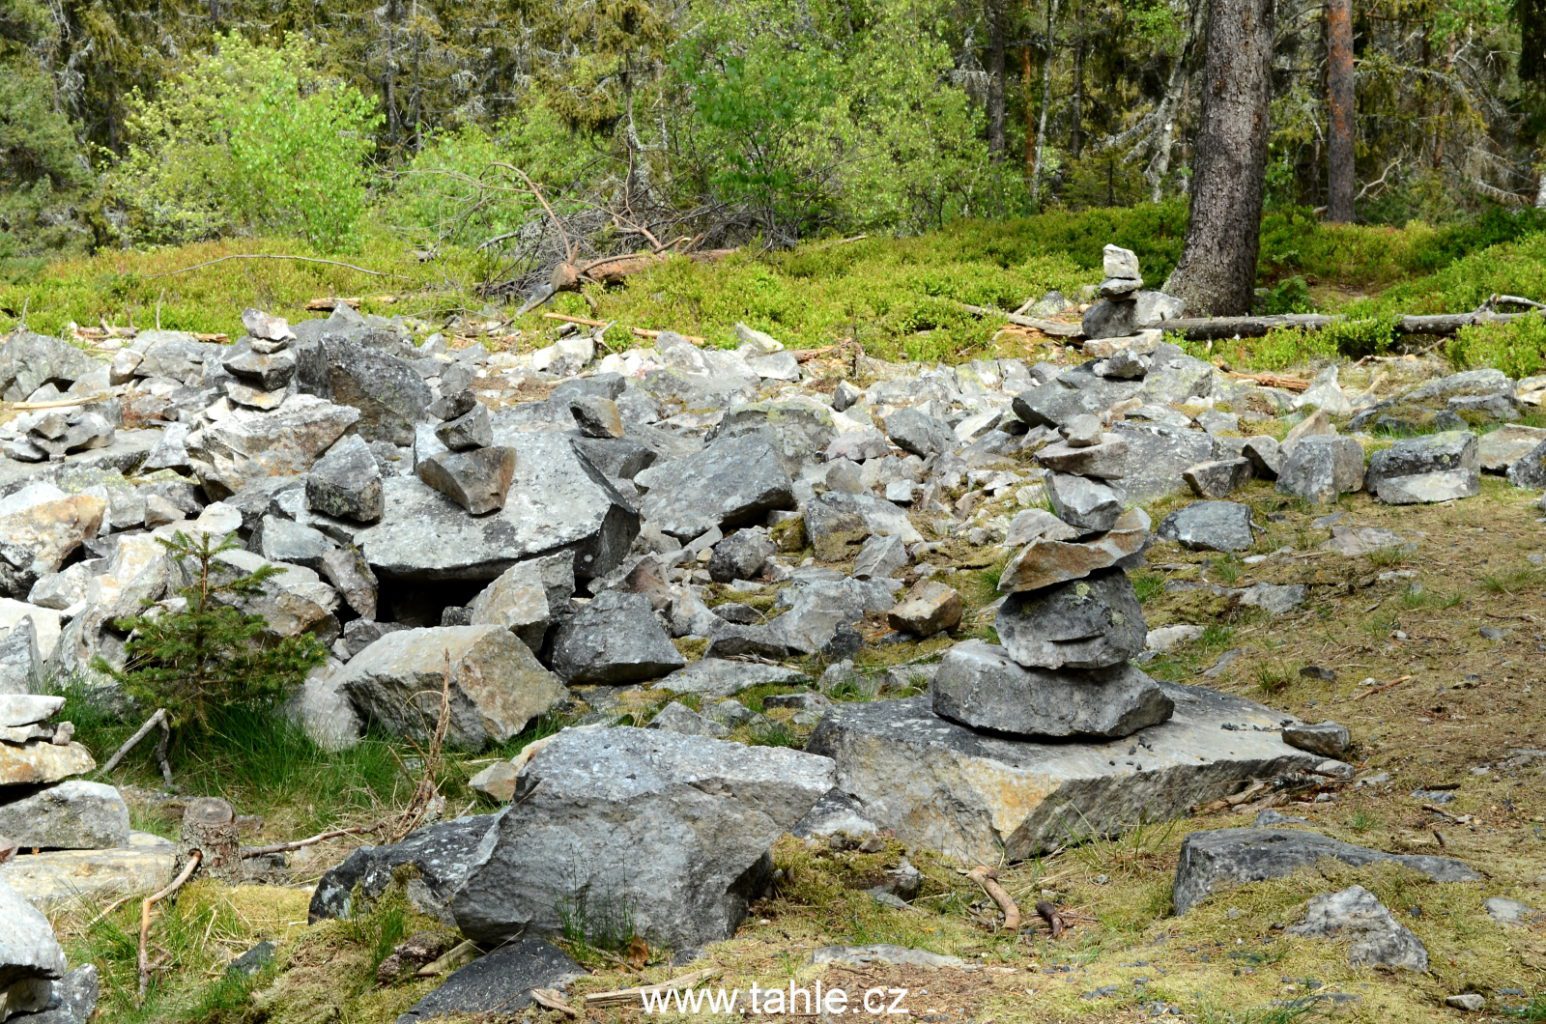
{"type": "Point", "coordinates": [461, 459]}
{"type": "Point", "coordinates": [42, 803]}
{"type": "Point", "coordinates": [1117, 313]}
{"type": "Point", "coordinates": [54, 433]}
{"type": "Point", "coordinates": [261, 364]}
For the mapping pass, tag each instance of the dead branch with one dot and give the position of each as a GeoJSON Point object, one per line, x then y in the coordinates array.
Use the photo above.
{"type": "Point", "coordinates": [269, 256]}
{"type": "Point", "coordinates": [149, 904]}
{"type": "Point", "coordinates": [638, 332]}
{"type": "Point", "coordinates": [1273, 380]}
{"type": "Point", "coordinates": [328, 303]}
{"type": "Point", "coordinates": [428, 788]}
{"type": "Point", "coordinates": [1056, 328]}
{"type": "Point", "coordinates": [1371, 691]}
{"type": "Point", "coordinates": [988, 879]}
{"type": "Point", "coordinates": [57, 403]}
{"type": "Point", "coordinates": [300, 844]}
{"type": "Point", "coordinates": [625, 995]}
{"type": "Point", "coordinates": [551, 999]}
{"type": "Point", "coordinates": [159, 718]}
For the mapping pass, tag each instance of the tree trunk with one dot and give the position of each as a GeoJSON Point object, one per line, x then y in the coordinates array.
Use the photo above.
{"type": "Point", "coordinates": [1217, 271]}
{"type": "Point", "coordinates": [1046, 102]}
{"type": "Point", "coordinates": [1339, 108]}
{"type": "Point", "coordinates": [1076, 132]}
{"type": "Point", "coordinates": [1540, 193]}
{"type": "Point", "coordinates": [995, 13]}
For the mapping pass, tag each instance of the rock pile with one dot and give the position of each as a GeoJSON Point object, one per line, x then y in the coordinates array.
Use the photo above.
{"type": "Point", "coordinates": [261, 365]}
{"type": "Point", "coordinates": [42, 804]}
{"type": "Point", "coordinates": [1123, 308]}
{"type": "Point", "coordinates": [459, 457]}
{"type": "Point", "coordinates": [55, 433]}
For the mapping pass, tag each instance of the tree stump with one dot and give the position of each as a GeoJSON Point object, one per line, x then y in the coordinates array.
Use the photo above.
{"type": "Point", "coordinates": [209, 825]}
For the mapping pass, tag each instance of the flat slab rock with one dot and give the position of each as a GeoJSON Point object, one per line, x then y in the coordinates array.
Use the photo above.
{"type": "Point", "coordinates": [65, 877]}
{"type": "Point", "coordinates": [73, 815]}
{"type": "Point", "coordinates": [498, 983]}
{"type": "Point", "coordinates": [1228, 857]}
{"type": "Point", "coordinates": [978, 799]}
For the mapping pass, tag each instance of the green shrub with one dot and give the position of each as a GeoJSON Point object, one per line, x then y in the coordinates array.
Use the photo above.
{"type": "Point", "coordinates": [248, 139]}
{"type": "Point", "coordinates": [1517, 348]}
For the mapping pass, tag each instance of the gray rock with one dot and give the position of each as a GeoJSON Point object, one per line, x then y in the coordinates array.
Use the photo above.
{"type": "Point", "coordinates": [720, 677]}
{"type": "Point", "coordinates": [615, 639]}
{"type": "Point", "coordinates": [284, 540]}
{"type": "Point", "coordinates": [1119, 262]}
{"type": "Point", "coordinates": [28, 361]}
{"type": "Point", "coordinates": [346, 482]}
{"type": "Point", "coordinates": [498, 983]}
{"type": "Point", "coordinates": [671, 830]}
{"type": "Point", "coordinates": [437, 855]}
{"type": "Point", "coordinates": [679, 718]}
{"type": "Point", "coordinates": [497, 684]}
{"type": "Point", "coordinates": [596, 416]}
{"type": "Point", "coordinates": [38, 762]}
{"type": "Point", "coordinates": [1529, 470]}
{"type": "Point", "coordinates": [267, 371]}
{"type": "Point", "coordinates": [21, 661]}
{"type": "Point", "coordinates": [1321, 468]}
{"type": "Point", "coordinates": [1328, 739]}
{"type": "Point", "coordinates": [40, 527]}
{"type": "Point", "coordinates": [1264, 454]}
{"type": "Point", "coordinates": [323, 710]}
{"type": "Point", "coordinates": [1512, 913]}
{"type": "Point", "coordinates": [928, 608]}
{"type": "Point", "coordinates": [1218, 478]}
{"type": "Point", "coordinates": [883, 954]}
{"type": "Point", "coordinates": [1470, 1002]}
{"type": "Point", "coordinates": [73, 815]}
{"type": "Point", "coordinates": [983, 799]}
{"type": "Point", "coordinates": [1090, 623]}
{"type": "Point", "coordinates": [1111, 318]}
{"type": "Point", "coordinates": [882, 557]}
{"type": "Point", "coordinates": [1072, 393]}
{"type": "Point", "coordinates": [1087, 505]}
{"type": "Point", "coordinates": [473, 429]}
{"type": "Point", "coordinates": [979, 685]}
{"type": "Point", "coordinates": [741, 555]}
{"type": "Point", "coordinates": [1210, 526]}
{"type": "Point", "coordinates": [1106, 460]}
{"type": "Point", "coordinates": [1155, 307]}
{"type": "Point", "coordinates": [1355, 541]}
{"type": "Point", "coordinates": [557, 500]}
{"type": "Point", "coordinates": [735, 481]}
{"type": "Point", "coordinates": [1375, 937]}
{"type": "Point", "coordinates": [913, 430]}
{"type": "Point", "coordinates": [27, 709]}
{"type": "Point", "coordinates": [1045, 562]}
{"type": "Point", "coordinates": [477, 480]}
{"type": "Point", "coordinates": [248, 446]}
{"type": "Point", "coordinates": [1499, 449]}
{"type": "Point", "coordinates": [30, 957]}
{"type": "Point", "coordinates": [1273, 598]}
{"type": "Point", "coordinates": [837, 813]}
{"type": "Point", "coordinates": [1224, 858]}
{"type": "Point", "coordinates": [73, 1000]}
{"type": "Point", "coordinates": [525, 597]}
{"type": "Point", "coordinates": [357, 366]}
{"type": "Point", "coordinates": [1421, 470]}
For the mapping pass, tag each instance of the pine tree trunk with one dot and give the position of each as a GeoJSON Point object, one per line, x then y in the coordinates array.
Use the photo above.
{"type": "Point", "coordinates": [1217, 271]}
{"type": "Point", "coordinates": [1339, 108]}
{"type": "Point", "coordinates": [996, 72]}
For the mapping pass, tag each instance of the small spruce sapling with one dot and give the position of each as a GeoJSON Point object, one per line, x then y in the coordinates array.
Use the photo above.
{"type": "Point", "coordinates": [200, 652]}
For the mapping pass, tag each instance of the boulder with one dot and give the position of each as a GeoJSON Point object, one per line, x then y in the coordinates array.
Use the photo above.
{"type": "Point", "coordinates": [471, 430]}
{"type": "Point", "coordinates": [360, 367]}
{"type": "Point", "coordinates": [291, 602]}
{"type": "Point", "coordinates": [1374, 937]}
{"type": "Point", "coordinates": [246, 446]}
{"type": "Point", "coordinates": [1104, 460]}
{"type": "Point", "coordinates": [323, 710]}
{"type": "Point", "coordinates": [1529, 470]}
{"type": "Point", "coordinates": [1089, 506]}
{"type": "Point", "coordinates": [928, 608]}
{"type": "Point", "coordinates": [1210, 526]}
{"type": "Point", "coordinates": [1094, 622]}
{"type": "Point", "coordinates": [1264, 454]}
{"type": "Point", "coordinates": [1037, 524]}
{"type": "Point", "coordinates": [525, 597]}
{"type": "Point", "coordinates": [40, 527]}
{"type": "Point", "coordinates": [720, 677]}
{"type": "Point", "coordinates": [668, 832]}
{"type": "Point", "coordinates": [741, 555]}
{"type": "Point", "coordinates": [838, 525]}
{"type": "Point", "coordinates": [437, 857]}
{"type": "Point", "coordinates": [1156, 456]}
{"type": "Point", "coordinates": [498, 983]}
{"type": "Point", "coordinates": [1218, 478]}
{"type": "Point", "coordinates": [30, 957]}
{"type": "Point", "coordinates": [915, 431]}
{"type": "Point", "coordinates": [73, 815]}
{"type": "Point", "coordinates": [477, 480]}
{"type": "Point", "coordinates": [1499, 449]}
{"type": "Point", "coordinates": [734, 481]}
{"type": "Point", "coordinates": [497, 684]}
{"type": "Point", "coordinates": [615, 639]}
{"type": "Point", "coordinates": [38, 762]}
{"type": "Point", "coordinates": [346, 482]}
{"type": "Point", "coordinates": [985, 799]}
{"type": "Point", "coordinates": [28, 361]}
{"type": "Point", "coordinates": [1045, 562]}
{"type": "Point", "coordinates": [1321, 467]}
{"type": "Point", "coordinates": [1328, 739]}
{"type": "Point", "coordinates": [1422, 470]}
{"type": "Point", "coordinates": [28, 709]}
{"type": "Point", "coordinates": [679, 718]}
{"type": "Point", "coordinates": [981, 686]}
{"type": "Point", "coordinates": [1228, 857]}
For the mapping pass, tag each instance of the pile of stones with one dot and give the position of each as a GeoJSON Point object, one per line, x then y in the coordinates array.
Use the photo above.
{"type": "Point", "coordinates": [459, 458]}
{"type": "Point", "coordinates": [43, 805]}
{"type": "Point", "coordinates": [55, 433]}
{"type": "Point", "coordinates": [261, 365]}
{"type": "Point", "coordinates": [1124, 308]}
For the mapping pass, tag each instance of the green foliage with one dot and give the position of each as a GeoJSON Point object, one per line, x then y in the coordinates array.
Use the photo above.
{"type": "Point", "coordinates": [1518, 348]}
{"type": "Point", "coordinates": [202, 653]}
{"type": "Point", "coordinates": [1290, 295]}
{"type": "Point", "coordinates": [248, 139]}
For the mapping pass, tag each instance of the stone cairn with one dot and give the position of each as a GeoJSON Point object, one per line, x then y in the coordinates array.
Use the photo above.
{"type": "Point", "coordinates": [1068, 627]}
{"type": "Point", "coordinates": [460, 459]}
{"type": "Point", "coordinates": [42, 803]}
{"type": "Point", "coordinates": [261, 364]}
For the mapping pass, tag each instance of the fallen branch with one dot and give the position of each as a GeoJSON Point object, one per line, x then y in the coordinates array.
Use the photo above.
{"type": "Point", "coordinates": [1233, 800]}
{"type": "Point", "coordinates": [328, 303]}
{"type": "Point", "coordinates": [57, 403]}
{"type": "Point", "coordinates": [638, 332]}
{"type": "Point", "coordinates": [551, 999]}
{"type": "Point", "coordinates": [159, 718]}
{"type": "Point", "coordinates": [148, 904]}
{"type": "Point", "coordinates": [1273, 380]}
{"type": "Point", "coordinates": [1055, 921]}
{"type": "Point", "coordinates": [300, 844]}
{"type": "Point", "coordinates": [1220, 328]}
{"type": "Point", "coordinates": [269, 256]}
{"type": "Point", "coordinates": [988, 879]}
{"type": "Point", "coordinates": [627, 995]}
{"type": "Point", "coordinates": [1381, 688]}
{"type": "Point", "coordinates": [424, 795]}
{"type": "Point", "coordinates": [1056, 328]}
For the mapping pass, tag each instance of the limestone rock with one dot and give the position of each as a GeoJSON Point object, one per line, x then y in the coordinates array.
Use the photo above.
{"type": "Point", "coordinates": [73, 815]}
{"type": "Point", "coordinates": [1210, 526]}
{"type": "Point", "coordinates": [1328, 739]}
{"type": "Point", "coordinates": [497, 983]}
{"type": "Point", "coordinates": [1218, 478]}
{"type": "Point", "coordinates": [734, 481]}
{"type": "Point", "coordinates": [1094, 622]}
{"type": "Point", "coordinates": [1320, 468]}
{"type": "Point", "coordinates": [477, 480]}
{"type": "Point", "coordinates": [1045, 562]}
{"type": "Point", "coordinates": [346, 482]}
{"type": "Point", "coordinates": [38, 762]}
{"type": "Point", "coordinates": [615, 639]}
{"type": "Point", "coordinates": [247, 446]}
{"type": "Point", "coordinates": [30, 957]}
{"type": "Point", "coordinates": [438, 857]}
{"type": "Point", "coordinates": [1089, 506]}
{"type": "Point", "coordinates": [1420, 470]}
{"type": "Point", "coordinates": [1375, 937]}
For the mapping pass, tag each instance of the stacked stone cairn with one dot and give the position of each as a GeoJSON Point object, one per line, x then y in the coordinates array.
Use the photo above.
{"type": "Point", "coordinates": [42, 803]}
{"type": "Point", "coordinates": [459, 458]}
{"type": "Point", "coordinates": [1067, 629]}
{"type": "Point", "coordinates": [261, 365]}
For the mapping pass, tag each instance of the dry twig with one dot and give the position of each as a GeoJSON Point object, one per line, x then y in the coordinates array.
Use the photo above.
{"type": "Point", "coordinates": [625, 995]}
{"type": "Point", "coordinates": [988, 879]}
{"type": "Point", "coordinates": [149, 904]}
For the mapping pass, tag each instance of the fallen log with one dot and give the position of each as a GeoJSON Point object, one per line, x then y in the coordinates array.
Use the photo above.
{"type": "Point", "coordinates": [569, 275]}
{"type": "Point", "coordinates": [1222, 328]}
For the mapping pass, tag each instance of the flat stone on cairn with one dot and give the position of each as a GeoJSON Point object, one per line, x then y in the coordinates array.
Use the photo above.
{"type": "Point", "coordinates": [41, 805]}
{"type": "Point", "coordinates": [261, 365]}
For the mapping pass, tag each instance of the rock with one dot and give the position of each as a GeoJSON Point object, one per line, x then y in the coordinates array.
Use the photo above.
{"type": "Point", "coordinates": [74, 998]}
{"type": "Point", "coordinates": [497, 983]}
{"type": "Point", "coordinates": [346, 482]}
{"type": "Point", "coordinates": [671, 830]}
{"type": "Point", "coordinates": [324, 712]}
{"type": "Point", "coordinates": [1512, 913]}
{"type": "Point", "coordinates": [1166, 638]}
{"type": "Point", "coordinates": [1094, 622]}
{"type": "Point", "coordinates": [1089, 506]}
{"type": "Point", "coordinates": [837, 524]}
{"type": "Point", "coordinates": [1119, 262]}
{"type": "Point", "coordinates": [524, 597]}
{"type": "Point", "coordinates": [1154, 307]}
{"type": "Point", "coordinates": [477, 480]}
{"type": "Point", "coordinates": [1529, 470]}
{"type": "Point", "coordinates": [30, 957]}
{"type": "Point", "coordinates": [66, 877]}
{"type": "Point", "coordinates": [927, 609]}
{"type": "Point", "coordinates": [1376, 938]}
{"type": "Point", "coordinates": [1044, 563]}
{"type": "Point", "coordinates": [1106, 460]}
{"type": "Point", "coordinates": [40, 527]}
{"type": "Point", "coordinates": [596, 416]}
{"type": "Point", "coordinates": [734, 481]}
{"type": "Point", "coordinates": [260, 370]}
{"type": "Point", "coordinates": [1356, 541]}
{"type": "Point", "coordinates": [557, 501]}
{"type": "Point", "coordinates": [1037, 524]}
{"type": "Point", "coordinates": [467, 432]}
{"type": "Point", "coordinates": [1499, 449]}
{"type": "Point", "coordinates": [979, 685]}
{"type": "Point", "coordinates": [291, 602]}
{"type": "Point", "coordinates": [1210, 526]}
{"type": "Point", "coordinates": [883, 954]}
{"type": "Point", "coordinates": [38, 762]}
{"type": "Point", "coordinates": [1074, 392]}
{"type": "Point", "coordinates": [1328, 739]}
{"type": "Point", "coordinates": [679, 718]}
{"type": "Point", "coordinates": [883, 557]}
{"type": "Point", "coordinates": [1320, 468]}
{"type": "Point", "coordinates": [1421, 470]}
{"type": "Point", "coordinates": [346, 569]}
{"type": "Point", "coordinates": [247, 446]}
{"type": "Point", "coordinates": [28, 361]}
{"type": "Point", "coordinates": [437, 856]}
{"type": "Point", "coordinates": [1325, 395]}
{"type": "Point", "coordinates": [1470, 1002]}
{"type": "Point", "coordinates": [845, 395]}
{"type": "Point", "coordinates": [1110, 319]}
{"type": "Point", "coordinates": [615, 639]}
{"type": "Point", "coordinates": [497, 684]}
{"type": "Point", "coordinates": [497, 781]}
{"type": "Point", "coordinates": [1224, 858]}
{"type": "Point", "coordinates": [1265, 456]}
{"type": "Point", "coordinates": [719, 677]}
{"type": "Point", "coordinates": [913, 430]}
{"type": "Point", "coordinates": [1218, 478]}
{"type": "Point", "coordinates": [741, 555]}
{"type": "Point", "coordinates": [1273, 598]}
{"type": "Point", "coordinates": [358, 367]}
{"type": "Point", "coordinates": [21, 662]}
{"type": "Point", "coordinates": [1157, 455]}
{"type": "Point", "coordinates": [986, 799]}
{"type": "Point", "coordinates": [73, 815]}
{"type": "Point", "coordinates": [28, 709]}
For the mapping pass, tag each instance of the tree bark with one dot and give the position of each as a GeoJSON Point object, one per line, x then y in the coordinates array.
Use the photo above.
{"type": "Point", "coordinates": [1339, 109]}
{"type": "Point", "coordinates": [209, 826]}
{"type": "Point", "coordinates": [1217, 271]}
{"type": "Point", "coordinates": [1046, 102]}
{"type": "Point", "coordinates": [995, 16]}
